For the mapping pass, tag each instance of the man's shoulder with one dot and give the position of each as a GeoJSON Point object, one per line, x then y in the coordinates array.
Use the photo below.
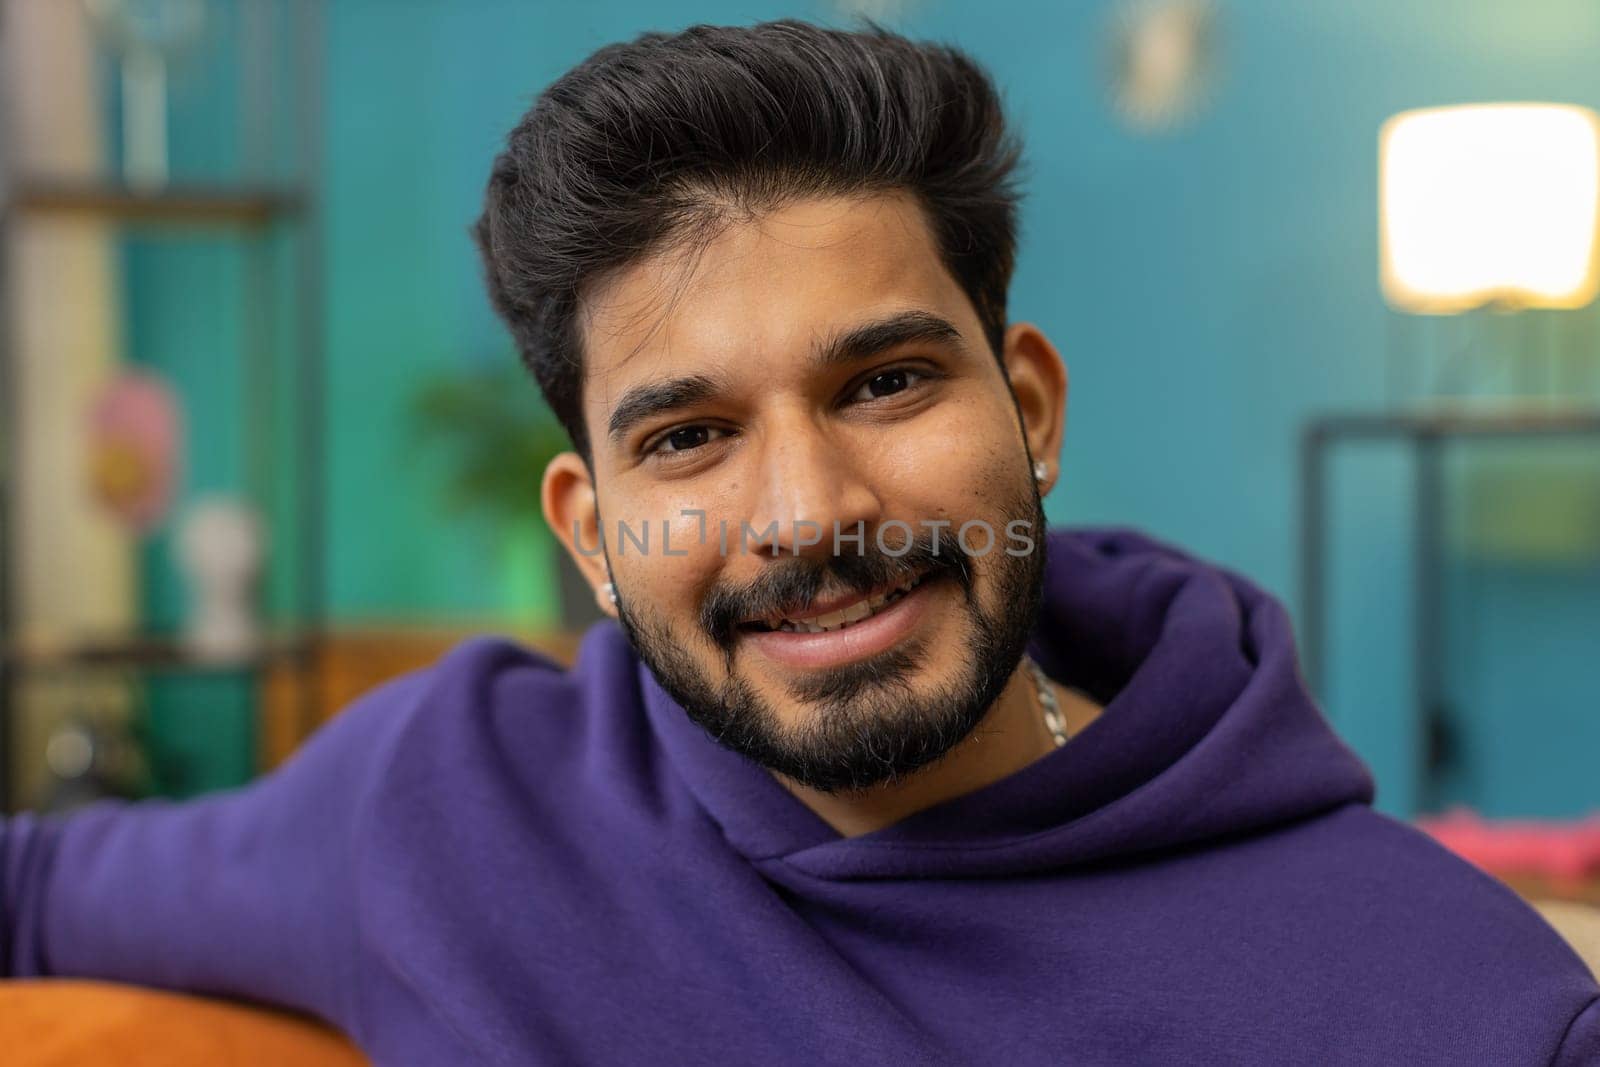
{"type": "Point", "coordinates": [1409, 893]}
{"type": "Point", "coordinates": [1367, 929]}
{"type": "Point", "coordinates": [492, 689]}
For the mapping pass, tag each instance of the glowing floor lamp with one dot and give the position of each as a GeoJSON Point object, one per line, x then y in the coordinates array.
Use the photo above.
{"type": "Point", "coordinates": [1489, 207]}
{"type": "Point", "coordinates": [1483, 209]}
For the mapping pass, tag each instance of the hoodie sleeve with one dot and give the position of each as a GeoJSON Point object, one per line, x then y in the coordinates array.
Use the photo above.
{"type": "Point", "coordinates": [1581, 1045]}
{"type": "Point", "coordinates": [250, 893]}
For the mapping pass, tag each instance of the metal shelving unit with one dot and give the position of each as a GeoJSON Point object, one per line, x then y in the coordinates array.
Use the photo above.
{"type": "Point", "coordinates": [1426, 434]}
{"type": "Point", "coordinates": [249, 213]}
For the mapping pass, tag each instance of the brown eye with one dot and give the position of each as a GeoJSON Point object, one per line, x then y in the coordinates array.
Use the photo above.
{"type": "Point", "coordinates": [685, 439]}
{"type": "Point", "coordinates": [887, 383]}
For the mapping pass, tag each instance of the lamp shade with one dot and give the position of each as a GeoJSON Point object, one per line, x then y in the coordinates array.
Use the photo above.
{"type": "Point", "coordinates": [1489, 203]}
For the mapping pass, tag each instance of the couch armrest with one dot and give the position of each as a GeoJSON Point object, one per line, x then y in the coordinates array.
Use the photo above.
{"type": "Point", "coordinates": [70, 1023]}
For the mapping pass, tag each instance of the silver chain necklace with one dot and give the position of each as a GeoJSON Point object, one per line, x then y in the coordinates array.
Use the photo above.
{"type": "Point", "coordinates": [1047, 700]}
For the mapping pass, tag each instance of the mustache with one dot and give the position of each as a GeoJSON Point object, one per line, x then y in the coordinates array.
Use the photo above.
{"type": "Point", "coordinates": [791, 586]}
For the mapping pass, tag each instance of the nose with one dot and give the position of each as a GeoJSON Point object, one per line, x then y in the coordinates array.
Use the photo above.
{"type": "Point", "coordinates": [809, 485]}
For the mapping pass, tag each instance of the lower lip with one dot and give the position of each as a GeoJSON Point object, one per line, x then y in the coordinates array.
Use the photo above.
{"type": "Point", "coordinates": [870, 636]}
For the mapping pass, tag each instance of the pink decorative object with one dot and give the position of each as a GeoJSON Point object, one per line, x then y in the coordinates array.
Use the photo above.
{"type": "Point", "coordinates": [135, 443]}
{"type": "Point", "coordinates": [1566, 852]}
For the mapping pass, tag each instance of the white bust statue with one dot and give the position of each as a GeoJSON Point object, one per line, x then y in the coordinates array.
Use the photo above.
{"type": "Point", "coordinates": [219, 548]}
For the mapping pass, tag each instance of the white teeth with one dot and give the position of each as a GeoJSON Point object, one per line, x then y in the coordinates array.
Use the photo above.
{"type": "Point", "coordinates": [831, 621]}
{"type": "Point", "coordinates": [861, 609]}
{"type": "Point", "coordinates": [857, 611]}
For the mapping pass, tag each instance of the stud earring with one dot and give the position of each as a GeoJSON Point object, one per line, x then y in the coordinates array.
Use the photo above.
{"type": "Point", "coordinates": [610, 591]}
{"type": "Point", "coordinates": [1040, 471]}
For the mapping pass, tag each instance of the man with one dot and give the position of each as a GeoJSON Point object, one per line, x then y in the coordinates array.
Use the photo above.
{"type": "Point", "coordinates": [870, 769]}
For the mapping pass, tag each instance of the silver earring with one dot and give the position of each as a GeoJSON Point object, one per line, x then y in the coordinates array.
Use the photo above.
{"type": "Point", "coordinates": [610, 591]}
{"type": "Point", "coordinates": [1040, 471]}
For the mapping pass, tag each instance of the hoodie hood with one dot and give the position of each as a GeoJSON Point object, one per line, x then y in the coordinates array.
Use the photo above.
{"type": "Point", "coordinates": [1208, 732]}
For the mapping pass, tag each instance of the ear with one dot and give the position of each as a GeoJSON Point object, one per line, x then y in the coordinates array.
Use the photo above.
{"type": "Point", "coordinates": [1039, 383]}
{"type": "Point", "coordinates": [567, 496]}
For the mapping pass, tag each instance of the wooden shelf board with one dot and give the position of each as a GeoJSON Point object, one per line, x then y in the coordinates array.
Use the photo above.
{"type": "Point", "coordinates": [181, 205]}
{"type": "Point", "coordinates": [149, 653]}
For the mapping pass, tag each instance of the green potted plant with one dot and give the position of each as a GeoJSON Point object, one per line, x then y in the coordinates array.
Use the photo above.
{"type": "Point", "coordinates": [498, 434]}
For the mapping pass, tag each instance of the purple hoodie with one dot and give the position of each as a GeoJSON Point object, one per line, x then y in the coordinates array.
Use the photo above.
{"type": "Point", "coordinates": [495, 861]}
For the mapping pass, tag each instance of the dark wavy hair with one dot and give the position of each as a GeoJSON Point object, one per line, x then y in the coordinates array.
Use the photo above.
{"type": "Point", "coordinates": [666, 139]}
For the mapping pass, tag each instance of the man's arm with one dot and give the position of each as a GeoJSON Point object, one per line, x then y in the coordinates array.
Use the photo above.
{"type": "Point", "coordinates": [250, 893]}
{"type": "Point", "coordinates": [1581, 1044]}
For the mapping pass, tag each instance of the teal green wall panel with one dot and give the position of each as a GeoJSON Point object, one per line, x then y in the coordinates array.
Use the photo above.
{"type": "Point", "coordinates": [199, 732]}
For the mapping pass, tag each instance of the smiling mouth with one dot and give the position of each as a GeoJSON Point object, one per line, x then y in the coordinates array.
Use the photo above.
{"type": "Point", "coordinates": [859, 610]}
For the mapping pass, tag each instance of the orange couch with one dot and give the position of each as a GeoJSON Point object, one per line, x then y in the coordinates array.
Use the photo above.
{"type": "Point", "coordinates": [57, 1022]}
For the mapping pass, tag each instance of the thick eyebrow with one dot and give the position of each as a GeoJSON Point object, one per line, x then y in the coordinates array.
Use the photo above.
{"type": "Point", "coordinates": [866, 341]}
{"type": "Point", "coordinates": [647, 401]}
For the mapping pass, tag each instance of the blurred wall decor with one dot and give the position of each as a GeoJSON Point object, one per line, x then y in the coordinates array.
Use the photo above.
{"type": "Point", "coordinates": [1163, 60]}
{"type": "Point", "coordinates": [135, 449]}
{"type": "Point", "coordinates": [877, 10]}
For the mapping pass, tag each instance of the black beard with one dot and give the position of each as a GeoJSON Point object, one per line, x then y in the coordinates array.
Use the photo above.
{"type": "Point", "coordinates": [871, 728]}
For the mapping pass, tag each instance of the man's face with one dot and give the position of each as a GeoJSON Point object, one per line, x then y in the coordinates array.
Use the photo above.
{"type": "Point", "coordinates": [790, 428]}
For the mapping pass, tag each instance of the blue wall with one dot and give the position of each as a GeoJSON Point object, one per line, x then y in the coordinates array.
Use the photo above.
{"type": "Point", "coordinates": [1209, 289]}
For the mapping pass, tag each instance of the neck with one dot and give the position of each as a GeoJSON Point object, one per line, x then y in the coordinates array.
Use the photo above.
{"type": "Point", "coordinates": [1011, 735]}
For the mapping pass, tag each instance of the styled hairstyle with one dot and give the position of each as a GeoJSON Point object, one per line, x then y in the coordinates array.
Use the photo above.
{"type": "Point", "coordinates": [666, 139]}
